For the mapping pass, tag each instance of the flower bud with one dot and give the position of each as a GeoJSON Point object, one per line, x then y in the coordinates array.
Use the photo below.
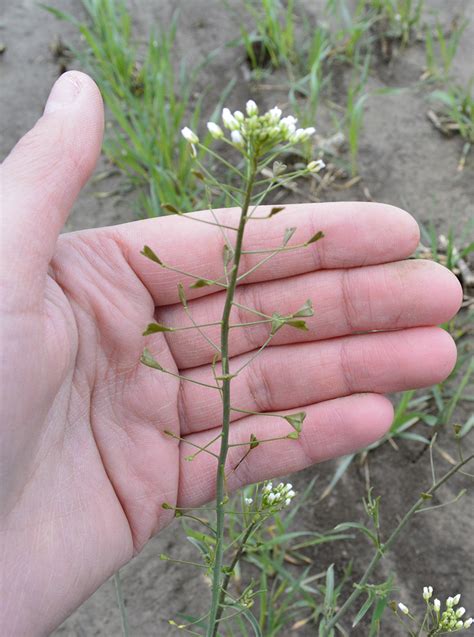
{"type": "Point", "coordinates": [403, 608]}
{"type": "Point", "coordinates": [189, 136]}
{"type": "Point", "coordinates": [460, 612]}
{"type": "Point", "coordinates": [275, 114]}
{"type": "Point", "coordinates": [468, 622]}
{"type": "Point", "coordinates": [215, 130]}
{"type": "Point", "coordinates": [450, 602]}
{"type": "Point", "coordinates": [237, 138]}
{"type": "Point", "coordinates": [251, 108]}
{"type": "Point", "coordinates": [229, 120]}
{"type": "Point", "coordinates": [427, 592]}
{"type": "Point", "coordinates": [248, 501]}
{"type": "Point", "coordinates": [456, 599]}
{"type": "Point", "coordinates": [239, 116]}
{"type": "Point", "coordinates": [437, 605]}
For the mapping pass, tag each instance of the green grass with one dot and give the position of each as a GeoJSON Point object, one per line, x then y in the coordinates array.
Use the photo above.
{"type": "Point", "coordinates": [149, 98]}
{"type": "Point", "coordinates": [441, 49]}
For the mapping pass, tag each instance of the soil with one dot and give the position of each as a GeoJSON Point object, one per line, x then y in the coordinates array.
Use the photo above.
{"type": "Point", "coordinates": [403, 161]}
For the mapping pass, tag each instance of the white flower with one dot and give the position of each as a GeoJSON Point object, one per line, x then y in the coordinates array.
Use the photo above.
{"type": "Point", "coordinates": [437, 605]}
{"type": "Point", "coordinates": [460, 611]}
{"type": "Point", "coordinates": [248, 501]}
{"type": "Point", "coordinates": [450, 602]}
{"type": "Point", "coordinates": [268, 487]}
{"type": "Point", "coordinates": [215, 130]}
{"type": "Point", "coordinates": [456, 599]}
{"type": "Point", "coordinates": [314, 167]}
{"type": "Point", "coordinates": [237, 138]}
{"type": "Point", "coordinates": [239, 116]}
{"type": "Point", "coordinates": [459, 624]}
{"type": "Point", "coordinates": [403, 608]}
{"type": "Point", "coordinates": [290, 494]}
{"type": "Point", "coordinates": [189, 136]}
{"type": "Point", "coordinates": [271, 497]}
{"type": "Point", "coordinates": [251, 108]}
{"type": "Point", "coordinates": [229, 120]}
{"type": "Point", "coordinates": [287, 501]}
{"type": "Point", "coordinates": [427, 592]}
{"type": "Point", "coordinates": [275, 114]}
{"type": "Point", "coordinates": [288, 486]}
{"type": "Point", "coordinates": [309, 131]}
{"type": "Point", "coordinates": [468, 622]}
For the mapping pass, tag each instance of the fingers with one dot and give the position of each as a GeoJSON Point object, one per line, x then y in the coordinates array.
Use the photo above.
{"type": "Point", "coordinates": [333, 428]}
{"type": "Point", "coordinates": [290, 376]}
{"type": "Point", "coordinates": [381, 297]}
{"type": "Point", "coordinates": [355, 234]}
{"type": "Point", "coordinates": [42, 177]}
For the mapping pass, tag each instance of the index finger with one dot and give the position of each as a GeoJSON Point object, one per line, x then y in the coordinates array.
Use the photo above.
{"type": "Point", "coordinates": [356, 234]}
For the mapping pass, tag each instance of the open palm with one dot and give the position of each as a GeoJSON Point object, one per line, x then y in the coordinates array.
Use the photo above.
{"type": "Point", "coordinates": [86, 462]}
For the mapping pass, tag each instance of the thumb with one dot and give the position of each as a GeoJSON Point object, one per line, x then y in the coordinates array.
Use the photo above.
{"type": "Point", "coordinates": [40, 181]}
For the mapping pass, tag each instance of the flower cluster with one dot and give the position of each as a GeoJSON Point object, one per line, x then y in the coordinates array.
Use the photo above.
{"type": "Point", "coordinates": [448, 621]}
{"type": "Point", "coordinates": [278, 496]}
{"type": "Point", "coordinates": [257, 133]}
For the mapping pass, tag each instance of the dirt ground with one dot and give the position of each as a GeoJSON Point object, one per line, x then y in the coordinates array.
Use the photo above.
{"type": "Point", "coordinates": [403, 161]}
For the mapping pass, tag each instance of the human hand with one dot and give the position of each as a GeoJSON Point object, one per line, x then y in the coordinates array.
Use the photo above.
{"type": "Point", "coordinates": [85, 463]}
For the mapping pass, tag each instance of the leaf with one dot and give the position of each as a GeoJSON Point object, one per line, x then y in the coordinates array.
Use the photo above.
{"type": "Point", "coordinates": [340, 471]}
{"type": "Point", "coordinates": [362, 612]}
{"type": "Point", "coordinates": [275, 210]}
{"type": "Point", "coordinates": [316, 237]}
{"type": "Point", "coordinates": [148, 360]}
{"type": "Point", "coordinates": [170, 208]}
{"type": "Point", "coordinates": [153, 328]}
{"type": "Point", "coordinates": [360, 527]}
{"type": "Point", "coordinates": [296, 420]}
{"type": "Point", "coordinates": [201, 283]}
{"type": "Point", "coordinates": [253, 441]}
{"type": "Point", "coordinates": [289, 232]}
{"type": "Point", "coordinates": [306, 309]}
{"type": "Point", "coordinates": [253, 622]}
{"type": "Point", "coordinates": [149, 254]}
{"type": "Point", "coordinates": [299, 325]}
{"type": "Point", "coordinates": [294, 435]}
{"type": "Point", "coordinates": [329, 592]}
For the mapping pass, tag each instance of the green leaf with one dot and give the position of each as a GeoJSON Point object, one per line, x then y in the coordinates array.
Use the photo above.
{"type": "Point", "coordinates": [363, 611]}
{"type": "Point", "coordinates": [296, 420]}
{"type": "Point", "coordinates": [148, 360]}
{"type": "Point", "coordinates": [289, 232]}
{"type": "Point", "coordinates": [329, 589]}
{"type": "Point", "coordinates": [294, 435]}
{"type": "Point", "coordinates": [316, 237]}
{"type": "Point", "coordinates": [170, 208]}
{"type": "Point", "coordinates": [201, 283]}
{"type": "Point", "coordinates": [306, 309]}
{"type": "Point", "coordinates": [360, 527]}
{"type": "Point", "coordinates": [153, 328]}
{"type": "Point", "coordinates": [149, 254]}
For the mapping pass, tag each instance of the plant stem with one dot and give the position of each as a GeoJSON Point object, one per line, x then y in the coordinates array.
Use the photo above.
{"type": "Point", "coordinates": [387, 546]}
{"type": "Point", "coordinates": [121, 604]}
{"type": "Point", "coordinates": [214, 616]}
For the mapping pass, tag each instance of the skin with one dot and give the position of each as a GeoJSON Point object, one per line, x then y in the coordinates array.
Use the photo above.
{"type": "Point", "coordinates": [85, 465]}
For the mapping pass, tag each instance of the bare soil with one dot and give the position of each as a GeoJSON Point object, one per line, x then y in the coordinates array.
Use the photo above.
{"type": "Point", "coordinates": [403, 161]}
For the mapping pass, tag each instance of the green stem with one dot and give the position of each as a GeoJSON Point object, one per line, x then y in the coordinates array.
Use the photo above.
{"type": "Point", "coordinates": [217, 588]}
{"type": "Point", "coordinates": [387, 546]}
{"type": "Point", "coordinates": [233, 564]}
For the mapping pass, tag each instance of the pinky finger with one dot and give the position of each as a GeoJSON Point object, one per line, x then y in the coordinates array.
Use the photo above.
{"type": "Point", "coordinates": [332, 428]}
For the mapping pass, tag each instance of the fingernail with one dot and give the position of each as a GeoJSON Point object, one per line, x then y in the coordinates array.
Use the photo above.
{"type": "Point", "coordinates": [63, 93]}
